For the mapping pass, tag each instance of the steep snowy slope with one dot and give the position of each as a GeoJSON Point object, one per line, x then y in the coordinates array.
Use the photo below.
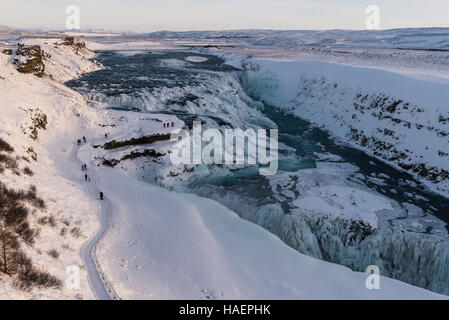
{"type": "Point", "coordinates": [40, 118]}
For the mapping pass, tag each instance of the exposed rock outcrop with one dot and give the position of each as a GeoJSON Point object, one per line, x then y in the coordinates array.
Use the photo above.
{"type": "Point", "coordinates": [30, 59]}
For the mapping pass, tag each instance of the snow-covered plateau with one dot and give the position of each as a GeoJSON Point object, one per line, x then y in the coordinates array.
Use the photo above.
{"type": "Point", "coordinates": [153, 238]}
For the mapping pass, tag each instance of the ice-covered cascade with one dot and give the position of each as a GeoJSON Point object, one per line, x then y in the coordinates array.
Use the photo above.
{"type": "Point", "coordinates": [216, 98]}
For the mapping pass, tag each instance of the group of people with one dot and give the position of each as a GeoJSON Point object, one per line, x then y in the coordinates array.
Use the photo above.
{"type": "Point", "coordinates": [84, 166]}
{"type": "Point", "coordinates": [167, 125]}
{"type": "Point", "coordinates": [78, 142]}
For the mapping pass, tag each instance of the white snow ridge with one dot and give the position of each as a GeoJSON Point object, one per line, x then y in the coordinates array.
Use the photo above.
{"type": "Point", "coordinates": [152, 238]}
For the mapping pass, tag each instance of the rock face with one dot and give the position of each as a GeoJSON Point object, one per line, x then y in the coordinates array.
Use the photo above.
{"type": "Point", "coordinates": [400, 118]}
{"type": "Point", "coordinates": [74, 43]}
{"type": "Point", "coordinates": [148, 139]}
{"type": "Point", "coordinates": [7, 51]}
{"type": "Point", "coordinates": [30, 59]}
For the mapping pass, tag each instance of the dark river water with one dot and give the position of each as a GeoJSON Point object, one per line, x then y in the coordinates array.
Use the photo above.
{"type": "Point", "coordinates": [130, 74]}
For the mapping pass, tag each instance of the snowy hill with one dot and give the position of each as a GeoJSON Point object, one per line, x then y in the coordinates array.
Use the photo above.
{"type": "Point", "coordinates": [39, 117]}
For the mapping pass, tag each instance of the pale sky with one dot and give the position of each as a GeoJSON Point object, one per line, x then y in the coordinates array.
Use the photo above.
{"type": "Point", "coordinates": [153, 15]}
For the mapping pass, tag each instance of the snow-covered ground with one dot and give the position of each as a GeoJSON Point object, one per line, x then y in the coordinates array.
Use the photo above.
{"type": "Point", "coordinates": [158, 244]}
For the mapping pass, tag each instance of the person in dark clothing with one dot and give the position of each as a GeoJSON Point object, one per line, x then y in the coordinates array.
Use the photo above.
{"type": "Point", "coordinates": [105, 135]}
{"type": "Point", "coordinates": [78, 142]}
{"type": "Point", "coordinates": [85, 177]}
{"type": "Point", "coordinates": [172, 124]}
{"type": "Point", "coordinates": [164, 125]}
{"type": "Point", "coordinates": [84, 139]}
{"type": "Point", "coordinates": [101, 196]}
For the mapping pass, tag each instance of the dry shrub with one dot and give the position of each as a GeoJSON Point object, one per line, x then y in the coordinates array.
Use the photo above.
{"type": "Point", "coordinates": [76, 232]}
{"type": "Point", "coordinates": [5, 146]}
{"type": "Point", "coordinates": [8, 162]}
{"type": "Point", "coordinates": [29, 277]}
{"type": "Point", "coordinates": [47, 220]}
{"type": "Point", "coordinates": [28, 171]}
{"type": "Point", "coordinates": [14, 213]}
{"type": "Point", "coordinates": [53, 253]}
